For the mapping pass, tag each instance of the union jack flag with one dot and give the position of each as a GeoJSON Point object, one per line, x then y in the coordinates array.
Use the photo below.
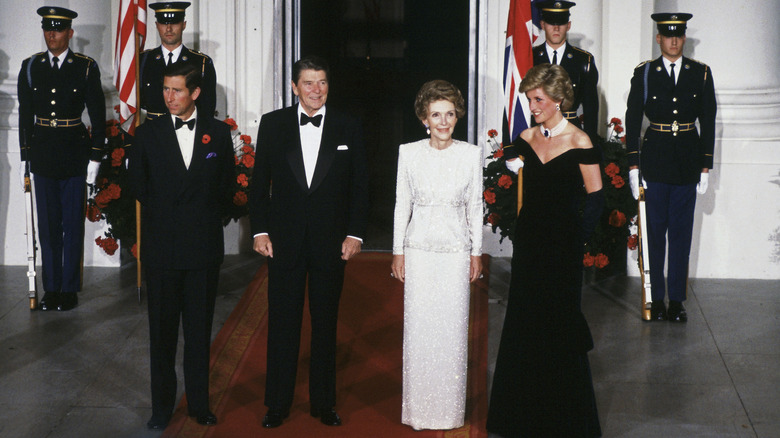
{"type": "Point", "coordinates": [132, 20]}
{"type": "Point", "coordinates": [522, 29]}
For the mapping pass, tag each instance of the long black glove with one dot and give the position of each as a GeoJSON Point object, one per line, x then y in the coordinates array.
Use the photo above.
{"type": "Point", "coordinates": [591, 213]}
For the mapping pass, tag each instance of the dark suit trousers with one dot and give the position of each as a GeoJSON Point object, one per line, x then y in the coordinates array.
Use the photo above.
{"type": "Point", "coordinates": [286, 293]}
{"type": "Point", "coordinates": [60, 207]}
{"type": "Point", "coordinates": [190, 294]}
{"type": "Point", "coordinates": [670, 209]}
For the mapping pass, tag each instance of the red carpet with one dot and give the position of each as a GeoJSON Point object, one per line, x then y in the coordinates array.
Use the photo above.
{"type": "Point", "coordinates": [369, 364]}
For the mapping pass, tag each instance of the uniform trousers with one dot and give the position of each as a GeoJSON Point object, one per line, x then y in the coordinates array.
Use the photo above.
{"type": "Point", "coordinates": [60, 207]}
{"type": "Point", "coordinates": [189, 294]}
{"type": "Point", "coordinates": [286, 295]}
{"type": "Point", "coordinates": [670, 209]}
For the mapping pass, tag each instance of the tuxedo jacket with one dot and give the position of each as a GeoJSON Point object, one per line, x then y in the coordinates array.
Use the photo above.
{"type": "Point", "coordinates": [151, 80]}
{"type": "Point", "coordinates": [182, 208]}
{"type": "Point", "coordinates": [581, 67]}
{"type": "Point", "coordinates": [48, 94]}
{"type": "Point", "coordinates": [668, 158]}
{"type": "Point", "coordinates": [299, 218]}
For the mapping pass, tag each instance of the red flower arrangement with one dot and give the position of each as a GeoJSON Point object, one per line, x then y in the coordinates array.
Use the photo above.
{"type": "Point", "coordinates": [105, 201]}
{"type": "Point", "coordinates": [609, 239]}
{"type": "Point", "coordinates": [109, 244]}
{"type": "Point", "coordinates": [500, 192]}
{"type": "Point", "coordinates": [245, 163]}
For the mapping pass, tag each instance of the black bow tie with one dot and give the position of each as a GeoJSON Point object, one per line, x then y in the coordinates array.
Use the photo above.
{"type": "Point", "coordinates": [316, 120]}
{"type": "Point", "coordinates": [179, 123]}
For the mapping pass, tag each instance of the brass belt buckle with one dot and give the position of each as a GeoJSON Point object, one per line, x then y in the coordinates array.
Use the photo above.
{"type": "Point", "coordinates": [675, 127]}
{"type": "Point", "coordinates": [53, 123]}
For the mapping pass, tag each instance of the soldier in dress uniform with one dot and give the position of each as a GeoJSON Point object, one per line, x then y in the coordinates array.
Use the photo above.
{"type": "Point", "coordinates": [674, 92]}
{"type": "Point", "coordinates": [53, 88]}
{"type": "Point", "coordinates": [171, 25]}
{"type": "Point", "coordinates": [578, 63]}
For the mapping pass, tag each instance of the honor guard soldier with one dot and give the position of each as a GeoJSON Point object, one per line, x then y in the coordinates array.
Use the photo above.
{"type": "Point", "coordinates": [578, 63]}
{"type": "Point", "coordinates": [54, 87]}
{"type": "Point", "coordinates": [674, 92]}
{"type": "Point", "coordinates": [170, 26]}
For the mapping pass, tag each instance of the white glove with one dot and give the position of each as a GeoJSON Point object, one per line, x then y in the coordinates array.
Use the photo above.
{"type": "Point", "coordinates": [704, 182]}
{"type": "Point", "coordinates": [633, 181]}
{"type": "Point", "coordinates": [515, 165]}
{"type": "Point", "coordinates": [92, 171]}
{"type": "Point", "coordinates": [22, 166]}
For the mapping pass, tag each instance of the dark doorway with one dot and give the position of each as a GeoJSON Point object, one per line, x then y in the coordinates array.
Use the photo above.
{"type": "Point", "coordinates": [380, 53]}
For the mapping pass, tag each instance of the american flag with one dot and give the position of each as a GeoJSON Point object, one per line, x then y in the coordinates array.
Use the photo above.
{"type": "Point", "coordinates": [132, 19]}
{"type": "Point", "coordinates": [522, 30]}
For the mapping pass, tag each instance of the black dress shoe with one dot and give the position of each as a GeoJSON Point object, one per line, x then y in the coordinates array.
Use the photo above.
{"type": "Point", "coordinates": [328, 416]}
{"type": "Point", "coordinates": [206, 419]}
{"type": "Point", "coordinates": [274, 418]}
{"type": "Point", "coordinates": [49, 301]}
{"type": "Point", "coordinates": [657, 311]}
{"type": "Point", "coordinates": [677, 312]}
{"type": "Point", "coordinates": [67, 301]}
{"type": "Point", "coordinates": [157, 422]}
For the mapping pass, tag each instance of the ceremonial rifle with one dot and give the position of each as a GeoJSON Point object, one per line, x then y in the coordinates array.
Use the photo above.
{"type": "Point", "coordinates": [643, 258]}
{"type": "Point", "coordinates": [31, 244]}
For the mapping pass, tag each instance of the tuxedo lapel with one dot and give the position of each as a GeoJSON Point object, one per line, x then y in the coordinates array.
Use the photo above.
{"type": "Point", "coordinates": [169, 146]}
{"type": "Point", "coordinates": [327, 151]}
{"type": "Point", "coordinates": [294, 152]}
{"type": "Point", "coordinates": [199, 149]}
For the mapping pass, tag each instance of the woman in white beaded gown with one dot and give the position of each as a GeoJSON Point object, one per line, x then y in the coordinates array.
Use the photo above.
{"type": "Point", "coordinates": [437, 244]}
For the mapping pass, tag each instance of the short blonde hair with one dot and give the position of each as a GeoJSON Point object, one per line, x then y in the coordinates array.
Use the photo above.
{"type": "Point", "coordinates": [434, 90]}
{"type": "Point", "coordinates": [554, 82]}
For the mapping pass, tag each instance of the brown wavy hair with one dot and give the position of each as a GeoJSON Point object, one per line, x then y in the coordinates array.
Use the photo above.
{"type": "Point", "coordinates": [434, 90]}
{"type": "Point", "coordinates": [554, 82]}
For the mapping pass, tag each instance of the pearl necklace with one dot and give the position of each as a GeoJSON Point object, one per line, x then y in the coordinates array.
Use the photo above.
{"type": "Point", "coordinates": [557, 129]}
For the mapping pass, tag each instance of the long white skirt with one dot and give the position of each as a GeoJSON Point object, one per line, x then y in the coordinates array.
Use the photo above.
{"type": "Point", "coordinates": [436, 324]}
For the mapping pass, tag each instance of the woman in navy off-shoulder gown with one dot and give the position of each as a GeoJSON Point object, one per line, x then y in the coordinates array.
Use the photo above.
{"type": "Point", "coordinates": [542, 385]}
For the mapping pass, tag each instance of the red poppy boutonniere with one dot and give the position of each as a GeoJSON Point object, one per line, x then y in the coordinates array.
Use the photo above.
{"type": "Point", "coordinates": [206, 139]}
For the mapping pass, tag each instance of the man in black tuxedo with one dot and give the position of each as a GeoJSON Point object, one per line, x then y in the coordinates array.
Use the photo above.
{"type": "Point", "coordinates": [674, 92]}
{"type": "Point", "coordinates": [578, 63]}
{"type": "Point", "coordinates": [308, 223]}
{"type": "Point", "coordinates": [54, 87]}
{"type": "Point", "coordinates": [170, 25]}
{"type": "Point", "coordinates": [181, 169]}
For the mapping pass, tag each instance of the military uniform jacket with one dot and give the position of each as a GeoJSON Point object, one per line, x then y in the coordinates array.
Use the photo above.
{"type": "Point", "coordinates": [55, 97]}
{"type": "Point", "coordinates": [666, 157]}
{"type": "Point", "coordinates": [584, 76]}
{"type": "Point", "coordinates": [151, 76]}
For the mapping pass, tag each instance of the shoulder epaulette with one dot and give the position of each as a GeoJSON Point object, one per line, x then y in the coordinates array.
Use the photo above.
{"type": "Point", "coordinates": [698, 62]}
{"type": "Point", "coordinates": [83, 56]}
{"type": "Point", "coordinates": [34, 55]}
{"type": "Point", "coordinates": [641, 64]}
{"type": "Point", "coordinates": [583, 51]}
{"type": "Point", "coordinates": [195, 52]}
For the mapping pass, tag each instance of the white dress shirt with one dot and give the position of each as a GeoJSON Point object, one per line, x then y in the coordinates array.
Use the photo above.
{"type": "Point", "coordinates": [668, 66]}
{"type": "Point", "coordinates": [60, 58]}
{"type": "Point", "coordinates": [176, 52]}
{"type": "Point", "coordinates": [311, 136]}
{"type": "Point", "coordinates": [186, 138]}
{"type": "Point", "coordinates": [559, 50]}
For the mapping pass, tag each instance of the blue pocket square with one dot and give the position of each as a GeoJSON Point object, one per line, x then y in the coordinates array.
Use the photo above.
{"type": "Point", "coordinates": [211, 155]}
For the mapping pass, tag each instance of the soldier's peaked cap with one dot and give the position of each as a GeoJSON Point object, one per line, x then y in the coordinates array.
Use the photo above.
{"type": "Point", "coordinates": [555, 12]}
{"type": "Point", "coordinates": [56, 18]}
{"type": "Point", "coordinates": [671, 23]}
{"type": "Point", "coordinates": [169, 12]}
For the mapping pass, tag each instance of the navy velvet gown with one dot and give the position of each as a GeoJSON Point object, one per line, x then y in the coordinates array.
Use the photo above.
{"type": "Point", "coordinates": [542, 385]}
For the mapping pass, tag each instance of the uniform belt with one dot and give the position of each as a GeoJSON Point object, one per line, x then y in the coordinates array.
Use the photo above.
{"type": "Point", "coordinates": [569, 114]}
{"type": "Point", "coordinates": [57, 123]}
{"type": "Point", "coordinates": [673, 127]}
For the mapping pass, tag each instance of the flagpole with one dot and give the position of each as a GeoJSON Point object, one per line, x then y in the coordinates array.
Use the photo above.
{"type": "Point", "coordinates": [137, 122]}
